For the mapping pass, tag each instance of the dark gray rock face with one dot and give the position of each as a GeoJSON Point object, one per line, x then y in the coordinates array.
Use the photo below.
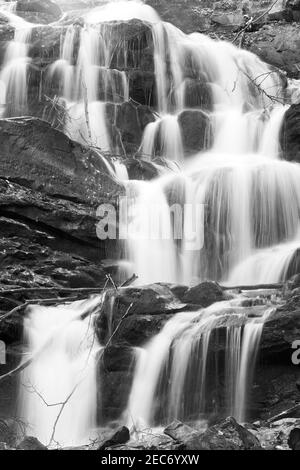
{"type": "Point", "coordinates": [290, 134]}
{"type": "Point", "coordinates": [294, 439]}
{"type": "Point", "coordinates": [293, 8]}
{"type": "Point", "coordinates": [50, 188]}
{"type": "Point", "coordinates": [195, 130]}
{"type": "Point", "coordinates": [37, 156]}
{"type": "Point", "coordinates": [204, 294]}
{"type": "Point", "coordinates": [126, 123]}
{"type": "Point", "coordinates": [121, 436]}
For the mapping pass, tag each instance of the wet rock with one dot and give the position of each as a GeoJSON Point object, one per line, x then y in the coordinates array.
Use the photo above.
{"type": "Point", "coordinates": [148, 441]}
{"type": "Point", "coordinates": [180, 431]}
{"type": "Point", "coordinates": [226, 435]}
{"type": "Point", "coordinates": [4, 446]}
{"type": "Point", "coordinates": [35, 155]}
{"type": "Point", "coordinates": [279, 333]}
{"type": "Point", "coordinates": [294, 439]}
{"type": "Point", "coordinates": [135, 307]}
{"type": "Point", "coordinates": [121, 436]}
{"type": "Point", "coordinates": [274, 436]}
{"type": "Point", "coordinates": [195, 130]}
{"type": "Point", "coordinates": [197, 94]}
{"type": "Point", "coordinates": [204, 294]}
{"type": "Point", "coordinates": [149, 299]}
{"type": "Point", "coordinates": [290, 134]}
{"type": "Point", "coordinates": [136, 330]}
{"type": "Point", "coordinates": [127, 122]}
{"type": "Point", "coordinates": [142, 87]}
{"type": "Point", "coordinates": [39, 11]}
{"type": "Point", "coordinates": [116, 368]}
{"type": "Point", "coordinates": [278, 46]}
{"type": "Point", "coordinates": [31, 443]}
{"type": "Point", "coordinates": [141, 169]}
{"type": "Point", "coordinates": [7, 434]}
{"type": "Point", "coordinates": [293, 8]}
{"type": "Point", "coordinates": [229, 20]}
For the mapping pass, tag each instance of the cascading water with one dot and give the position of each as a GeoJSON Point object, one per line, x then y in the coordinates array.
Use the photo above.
{"type": "Point", "coordinates": [173, 372]}
{"type": "Point", "coordinates": [244, 199]}
{"type": "Point", "coordinates": [13, 76]}
{"type": "Point", "coordinates": [62, 342]}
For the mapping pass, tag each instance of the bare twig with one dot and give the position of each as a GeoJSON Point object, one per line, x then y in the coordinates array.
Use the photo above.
{"type": "Point", "coordinates": [253, 21]}
{"type": "Point", "coordinates": [118, 326]}
{"type": "Point", "coordinates": [86, 109]}
{"type": "Point", "coordinates": [279, 285]}
{"type": "Point", "coordinates": [127, 283]}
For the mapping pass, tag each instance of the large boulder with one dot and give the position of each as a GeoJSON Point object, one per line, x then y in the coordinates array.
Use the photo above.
{"type": "Point", "coordinates": [226, 435]}
{"type": "Point", "coordinates": [290, 134]}
{"type": "Point", "coordinates": [133, 306]}
{"type": "Point", "coordinates": [31, 443]}
{"type": "Point", "coordinates": [294, 439]}
{"type": "Point", "coordinates": [126, 124]}
{"type": "Point", "coordinates": [293, 8]}
{"type": "Point", "coordinates": [120, 436]}
{"type": "Point", "coordinates": [278, 45]}
{"type": "Point", "coordinates": [204, 294]}
{"type": "Point", "coordinates": [195, 131]}
{"type": "Point", "coordinates": [116, 368]}
{"type": "Point", "coordinates": [39, 11]}
{"type": "Point", "coordinates": [35, 155]}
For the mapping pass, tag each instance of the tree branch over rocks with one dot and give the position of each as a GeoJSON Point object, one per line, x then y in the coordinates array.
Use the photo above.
{"type": "Point", "coordinates": [253, 21]}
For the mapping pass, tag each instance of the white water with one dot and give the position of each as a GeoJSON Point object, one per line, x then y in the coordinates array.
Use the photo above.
{"type": "Point", "coordinates": [266, 265]}
{"type": "Point", "coordinates": [58, 390]}
{"type": "Point", "coordinates": [250, 199]}
{"type": "Point", "coordinates": [13, 76]}
{"type": "Point", "coordinates": [182, 349]}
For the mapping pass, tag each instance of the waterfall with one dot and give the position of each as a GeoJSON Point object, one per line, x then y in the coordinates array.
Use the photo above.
{"type": "Point", "coordinates": [63, 346]}
{"type": "Point", "coordinates": [172, 372]}
{"type": "Point", "coordinates": [246, 364]}
{"type": "Point", "coordinates": [242, 349]}
{"type": "Point", "coordinates": [227, 210]}
{"type": "Point", "coordinates": [241, 183]}
{"type": "Point", "coordinates": [152, 228]}
{"type": "Point", "coordinates": [13, 76]}
{"type": "Point", "coordinates": [267, 265]}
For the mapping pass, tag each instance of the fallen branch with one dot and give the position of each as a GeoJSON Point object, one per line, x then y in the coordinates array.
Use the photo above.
{"type": "Point", "coordinates": [86, 109]}
{"type": "Point", "coordinates": [130, 281]}
{"type": "Point", "coordinates": [118, 326]}
{"type": "Point", "coordinates": [67, 290]}
{"type": "Point", "coordinates": [36, 302]}
{"type": "Point", "coordinates": [18, 369]}
{"type": "Point", "coordinates": [279, 285]}
{"type": "Point", "coordinates": [290, 413]}
{"type": "Point", "coordinates": [261, 90]}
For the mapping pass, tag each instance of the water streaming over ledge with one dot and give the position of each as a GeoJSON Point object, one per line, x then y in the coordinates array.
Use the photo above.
{"type": "Point", "coordinates": [59, 388]}
{"type": "Point", "coordinates": [177, 373]}
{"type": "Point", "coordinates": [248, 202]}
